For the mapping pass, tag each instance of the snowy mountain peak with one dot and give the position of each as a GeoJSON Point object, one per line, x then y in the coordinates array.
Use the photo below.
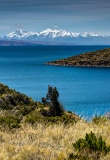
{"type": "Point", "coordinates": [19, 34]}
{"type": "Point", "coordinates": [19, 31]}
{"type": "Point", "coordinates": [52, 33]}
{"type": "Point", "coordinates": [86, 34]}
{"type": "Point", "coordinates": [56, 35]}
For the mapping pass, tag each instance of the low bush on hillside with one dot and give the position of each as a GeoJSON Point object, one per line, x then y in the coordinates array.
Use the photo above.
{"type": "Point", "coordinates": [36, 116]}
{"type": "Point", "coordinates": [99, 119]}
{"type": "Point", "coordinates": [89, 148]}
{"type": "Point", "coordinates": [24, 110]}
{"type": "Point", "coordinates": [9, 121]}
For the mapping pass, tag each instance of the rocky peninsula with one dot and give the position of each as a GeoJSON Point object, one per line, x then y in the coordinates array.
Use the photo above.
{"type": "Point", "coordinates": [99, 58]}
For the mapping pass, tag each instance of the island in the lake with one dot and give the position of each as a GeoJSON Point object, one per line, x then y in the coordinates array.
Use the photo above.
{"type": "Point", "coordinates": [99, 58]}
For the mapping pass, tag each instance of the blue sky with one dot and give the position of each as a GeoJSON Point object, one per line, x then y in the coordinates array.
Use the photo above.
{"type": "Point", "coordinates": [71, 15]}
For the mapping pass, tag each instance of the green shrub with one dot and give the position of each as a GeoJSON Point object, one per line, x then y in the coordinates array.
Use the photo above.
{"type": "Point", "coordinates": [4, 89]}
{"type": "Point", "coordinates": [89, 148]}
{"type": "Point", "coordinates": [99, 119]}
{"type": "Point", "coordinates": [24, 110]}
{"type": "Point", "coordinates": [33, 117]}
{"type": "Point", "coordinates": [66, 119]}
{"type": "Point", "coordinates": [56, 119]}
{"type": "Point", "coordinates": [78, 157]}
{"type": "Point", "coordinates": [92, 143]}
{"type": "Point", "coordinates": [36, 116]}
{"type": "Point", "coordinates": [4, 104]}
{"type": "Point", "coordinates": [9, 121]}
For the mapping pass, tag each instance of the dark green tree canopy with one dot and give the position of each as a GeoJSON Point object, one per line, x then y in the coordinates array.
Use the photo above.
{"type": "Point", "coordinates": [55, 108]}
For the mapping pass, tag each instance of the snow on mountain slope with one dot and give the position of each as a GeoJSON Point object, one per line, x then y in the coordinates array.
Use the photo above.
{"type": "Point", "coordinates": [19, 34]}
{"type": "Point", "coordinates": [52, 33]}
{"type": "Point", "coordinates": [55, 35]}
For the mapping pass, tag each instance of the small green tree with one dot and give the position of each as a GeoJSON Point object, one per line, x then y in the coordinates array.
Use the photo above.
{"type": "Point", "coordinates": [55, 108]}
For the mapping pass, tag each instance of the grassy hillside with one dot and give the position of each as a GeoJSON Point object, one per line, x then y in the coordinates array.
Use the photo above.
{"type": "Point", "coordinates": [26, 133]}
{"type": "Point", "coordinates": [16, 108]}
{"type": "Point", "coordinates": [99, 58]}
{"type": "Point", "coordinates": [49, 141]}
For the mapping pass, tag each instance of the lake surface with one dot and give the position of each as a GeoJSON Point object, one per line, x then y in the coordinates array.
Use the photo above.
{"type": "Point", "coordinates": [85, 91]}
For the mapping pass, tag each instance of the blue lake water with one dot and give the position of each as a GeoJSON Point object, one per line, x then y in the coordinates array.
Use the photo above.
{"type": "Point", "coordinates": [85, 91]}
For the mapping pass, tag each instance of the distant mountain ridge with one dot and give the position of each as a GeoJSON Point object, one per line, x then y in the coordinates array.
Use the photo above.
{"type": "Point", "coordinates": [20, 34]}
{"type": "Point", "coordinates": [56, 36]}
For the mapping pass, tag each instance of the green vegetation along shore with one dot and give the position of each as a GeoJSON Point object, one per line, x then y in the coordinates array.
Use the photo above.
{"type": "Point", "coordinates": [32, 130]}
{"type": "Point", "coordinates": [99, 58]}
{"type": "Point", "coordinates": [19, 106]}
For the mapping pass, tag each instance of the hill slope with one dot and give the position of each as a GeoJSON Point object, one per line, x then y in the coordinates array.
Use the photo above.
{"type": "Point", "coordinates": [21, 139]}
{"type": "Point", "coordinates": [99, 58]}
{"type": "Point", "coordinates": [16, 104]}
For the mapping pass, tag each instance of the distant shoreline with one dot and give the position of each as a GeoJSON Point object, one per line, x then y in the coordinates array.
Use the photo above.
{"type": "Point", "coordinates": [53, 64]}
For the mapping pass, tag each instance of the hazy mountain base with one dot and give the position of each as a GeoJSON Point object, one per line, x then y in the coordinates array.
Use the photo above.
{"type": "Point", "coordinates": [32, 43]}
{"type": "Point", "coordinates": [25, 134]}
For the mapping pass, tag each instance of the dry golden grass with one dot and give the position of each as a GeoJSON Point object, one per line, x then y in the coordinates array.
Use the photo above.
{"type": "Point", "coordinates": [47, 142]}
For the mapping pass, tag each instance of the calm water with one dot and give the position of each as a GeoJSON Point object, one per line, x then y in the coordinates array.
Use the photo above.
{"type": "Point", "coordinates": [85, 91]}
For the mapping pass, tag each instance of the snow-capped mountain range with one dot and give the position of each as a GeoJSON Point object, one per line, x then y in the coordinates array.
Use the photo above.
{"type": "Point", "coordinates": [58, 36]}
